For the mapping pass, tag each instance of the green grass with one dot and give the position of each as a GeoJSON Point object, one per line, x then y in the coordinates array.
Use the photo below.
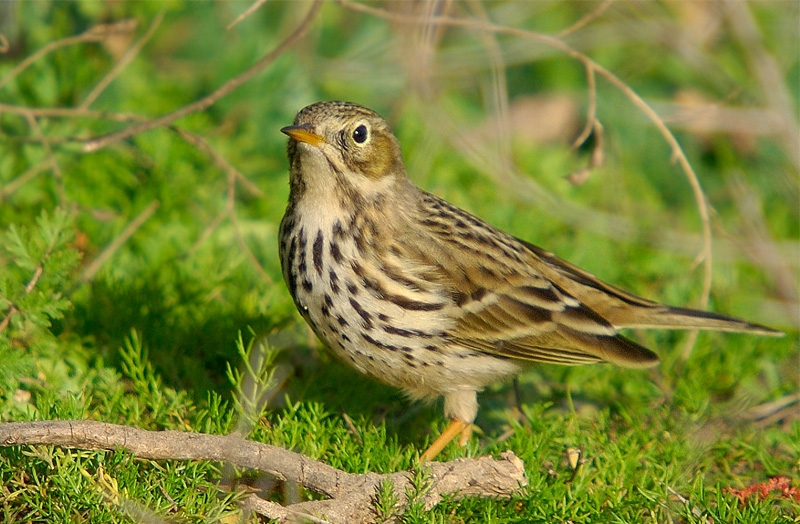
{"type": "Point", "coordinates": [159, 335]}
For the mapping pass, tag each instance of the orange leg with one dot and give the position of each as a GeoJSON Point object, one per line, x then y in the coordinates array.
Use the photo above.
{"type": "Point", "coordinates": [456, 427]}
{"type": "Point", "coordinates": [466, 433]}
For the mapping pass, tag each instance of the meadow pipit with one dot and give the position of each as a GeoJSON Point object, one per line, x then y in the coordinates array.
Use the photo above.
{"type": "Point", "coordinates": [426, 297]}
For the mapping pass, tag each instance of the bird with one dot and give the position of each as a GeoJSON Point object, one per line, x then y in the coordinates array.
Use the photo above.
{"type": "Point", "coordinates": [428, 298]}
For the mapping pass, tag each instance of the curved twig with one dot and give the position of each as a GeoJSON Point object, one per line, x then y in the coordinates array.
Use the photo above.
{"type": "Point", "coordinates": [129, 55]}
{"type": "Point", "coordinates": [351, 496]}
{"type": "Point", "coordinates": [95, 34]}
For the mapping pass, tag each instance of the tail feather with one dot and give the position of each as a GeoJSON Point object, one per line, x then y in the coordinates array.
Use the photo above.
{"type": "Point", "coordinates": [626, 310]}
{"type": "Point", "coordinates": [666, 317]}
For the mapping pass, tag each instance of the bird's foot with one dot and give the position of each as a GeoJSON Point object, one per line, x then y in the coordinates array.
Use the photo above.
{"type": "Point", "coordinates": [456, 427]}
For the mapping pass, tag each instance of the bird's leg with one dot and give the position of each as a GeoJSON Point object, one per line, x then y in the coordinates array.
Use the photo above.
{"type": "Point", "coordinates": [456, 427]}
{"type": "Point", "coordinates": [466, 433]}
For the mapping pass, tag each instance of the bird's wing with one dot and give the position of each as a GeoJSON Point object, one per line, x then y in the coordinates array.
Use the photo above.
{"type": "Point", "coordinates": [502, 301]}
{"type": "Point", "coordinates": [536, 320]}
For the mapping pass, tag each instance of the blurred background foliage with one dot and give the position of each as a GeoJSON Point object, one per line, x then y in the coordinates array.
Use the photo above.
{"type": "Point", "coordinates": [175, 240]}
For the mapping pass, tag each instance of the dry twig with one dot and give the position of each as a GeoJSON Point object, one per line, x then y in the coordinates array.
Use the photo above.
{"type": "Point", "coordinates": [129, 55]}
{"type": "Point", "coordinates": [92, 269]}
{"type": "Point", "coordinates": [350, 496]}
{"type": "Point", "coordinates": [95, 34]}
{"type": "Point", "coordinates": [234, 175]}
{"type": "Point", "coordinates": [247, 12]}
{"type": "Point", "coordinates": [98, 143]}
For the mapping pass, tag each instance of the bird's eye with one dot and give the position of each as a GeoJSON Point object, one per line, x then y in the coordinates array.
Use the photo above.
{"type": "Point", "coordinates": [360, 134]}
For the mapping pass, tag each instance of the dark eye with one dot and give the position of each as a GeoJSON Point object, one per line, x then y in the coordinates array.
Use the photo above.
{"type": "Point", "coordinates": [360, 134]}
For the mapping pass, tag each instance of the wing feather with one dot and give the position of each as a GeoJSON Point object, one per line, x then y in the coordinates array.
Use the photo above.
{"type": "Point", "coordinates": [503, 302]}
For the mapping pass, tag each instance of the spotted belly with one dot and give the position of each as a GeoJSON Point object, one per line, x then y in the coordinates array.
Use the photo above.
{"type": "Point", "coordinates": [379, 322]}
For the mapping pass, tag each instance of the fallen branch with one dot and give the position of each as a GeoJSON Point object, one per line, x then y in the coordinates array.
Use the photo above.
{"type": "Point", "coordinates": [351, 496]}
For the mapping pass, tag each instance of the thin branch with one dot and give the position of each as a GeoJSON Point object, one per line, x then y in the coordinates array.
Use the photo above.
{"type": "Point", "coordinates": [231, 205]}
{"type": "Point", "coordinates": [92, 269]}
{"type": "Point", "coordinates": [31, 173]}
{"type": "Point", "coordinates": [37, 274]}
{"type": "Point", "coordinates": [230, 201]}
{"type": "Point", "coordinates": [208, 231]}
{"type": "Point", "coordinates": [200, 143]}
{"type": "Point", "coordinates": [71, 112]}
{"type": "Point", "coordinates": [57, 173]}
{"type": "Point", "coordinates": [233, 175]}
{"type": "Point", "coordinates": [247, 12]}
{"type": "Point", "coordinates": [499, 90]}
{"type": "Point", "coordinates": [592, 125]}
{"type": "Point", "coordinates": [12, 310]}
{"type": "Point", "coordinates": [766, 71]}
{"type": "Point", "coordinates": [591, 112]}
{"type": "Point", "coordinates": [129, 55]}
{"type": "Point", "coordinates": [589, 17]}
{"type": "Point", "coordinates": [95, 34]}
{"type": "Point", "coordinates": [98, 143]}
{"type": "Point", "coordinates": [595, 159]}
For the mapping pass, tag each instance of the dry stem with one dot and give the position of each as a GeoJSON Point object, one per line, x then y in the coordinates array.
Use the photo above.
{"type": "Point", "coordinates": [351, 496]}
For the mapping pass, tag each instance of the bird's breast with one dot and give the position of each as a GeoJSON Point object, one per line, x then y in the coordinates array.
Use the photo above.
{"type": "Point", "coordinates": [371, 307]}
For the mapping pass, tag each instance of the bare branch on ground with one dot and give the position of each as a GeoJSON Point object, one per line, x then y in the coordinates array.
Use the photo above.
{"type": "Point", "coordinates": [351, 497]}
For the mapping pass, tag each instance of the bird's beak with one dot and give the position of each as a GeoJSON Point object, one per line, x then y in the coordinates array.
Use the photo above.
{"type": "Point", "coordinates": [303, 134]}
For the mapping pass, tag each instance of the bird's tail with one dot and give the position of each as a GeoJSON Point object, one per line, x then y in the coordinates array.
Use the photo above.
{"type": "Point", "coordinates": [626, 310]}
{"type": "Point", "coordinates": [666, 317]}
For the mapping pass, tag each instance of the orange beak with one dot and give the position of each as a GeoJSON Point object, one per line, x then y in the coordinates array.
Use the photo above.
{"type": "Point", "coordinates": [303, 134]}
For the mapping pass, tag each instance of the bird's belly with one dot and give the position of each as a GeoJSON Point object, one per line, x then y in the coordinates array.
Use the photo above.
{"type": "Point", "coordinates": [392, 350]}
{"type": "Point", "coordinates": [395, 334]}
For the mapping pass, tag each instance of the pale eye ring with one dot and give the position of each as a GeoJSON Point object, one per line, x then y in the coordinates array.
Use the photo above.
{"type": "Point", "coordinates": [360, 134]}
